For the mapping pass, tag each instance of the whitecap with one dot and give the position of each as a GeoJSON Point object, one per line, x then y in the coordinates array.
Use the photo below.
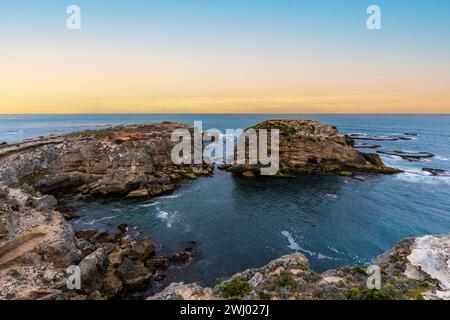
{"type": "Point", "coordinates": [333, 249]}
{"type": "Point", "coordinates": [441, 158]}
{"type": "Point", "coordinates": [12, 133]}
{"type": "Point", "coordinates": [169, 197]}
{"type": "Point", "coordinates": [422, 177]}
{"type": "Point", "coordinates": [167, 217]}
{"type": "Point", "coordinates": [324, 257]}
{"type": "Point", "coordinates": [147, 205]}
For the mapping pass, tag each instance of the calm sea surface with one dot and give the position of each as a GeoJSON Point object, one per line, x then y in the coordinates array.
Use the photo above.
{"type": "Point", "coordinates": [238, 224]}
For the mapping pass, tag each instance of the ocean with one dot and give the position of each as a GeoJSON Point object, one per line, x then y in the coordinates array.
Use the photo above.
{"type": "Point", "coordinates": [237, 224]}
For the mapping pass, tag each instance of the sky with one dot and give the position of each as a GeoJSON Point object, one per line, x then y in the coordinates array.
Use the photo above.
{"type": "Point", "coordinates": [225, 56]}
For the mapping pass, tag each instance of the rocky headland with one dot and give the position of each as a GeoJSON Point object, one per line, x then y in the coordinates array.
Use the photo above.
{"type": "Point", "coordinates": [307, 146]}
{"type": "Point", "coordinates": [37, 244]}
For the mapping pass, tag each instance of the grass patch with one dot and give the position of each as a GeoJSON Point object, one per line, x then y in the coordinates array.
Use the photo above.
{"type": "Point", "coordinates": [415, 294]}
{"type": "Point", "coordinates": [235, 288]}
{"type": "Point", "coordinates": [283, 128]}
{"type": "Point", "coordinates": [191, 175]}
{"type": "Point", "coordinates": [285, 279]}
{"type": "Point", "coordinates": [264, 296]}
{"type": "Point", "coordinates": [366, 294]}
{"type": "Point", "coordinates": [360, 270]}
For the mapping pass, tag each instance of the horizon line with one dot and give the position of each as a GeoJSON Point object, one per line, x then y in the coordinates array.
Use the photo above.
{"type": "Point", "coordinates": [237, 113]}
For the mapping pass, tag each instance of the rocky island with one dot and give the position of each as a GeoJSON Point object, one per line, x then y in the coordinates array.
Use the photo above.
{"type": "Point", "coordinates": [37, 244]}
{"type": "Point", "coordinates": [307, 146]}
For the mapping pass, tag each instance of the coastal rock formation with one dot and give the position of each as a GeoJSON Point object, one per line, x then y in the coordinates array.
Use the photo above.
{"type": "Point", "coordinates": [411, 156]}
{"type": "Point", "coordinates": [437, 172]}
{"type": "Point", "coordinates": [36, 243]}
{"type": "Point", "coordinates": [132, 160]}
{"type": "Point", "coordinates": [379, 138]}
{"type": "Point", "coordinates": [417, 268]}
{"type": "Point", "coordinates": [366, 146]}
{"type": "Point", "coordinates": [308, 146]}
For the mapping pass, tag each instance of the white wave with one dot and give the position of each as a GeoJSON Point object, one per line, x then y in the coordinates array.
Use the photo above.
{"type": "Point", "coordinates": [324, 257]}
{"type": "Point", "coordinates": [169, 197]}
{"type": "Point", "coordinates": [333, 249]}
{"type": "Point", "coordinates": [295, 246]}
{"type": "Point", "coordinates": [98, 220]}
{"type": "Point", "coordinates": [422, 177]}
{"type": "Point", "coordinates": [331, 195]}
{"type": "Point", "coordinates": [147, 205]}
{"type": "Point", "coordinates": [441, 158]}
{"type": "Point", "coordinates": [167, 217]}
{"type": "Point", "coordinates": [12, 133]}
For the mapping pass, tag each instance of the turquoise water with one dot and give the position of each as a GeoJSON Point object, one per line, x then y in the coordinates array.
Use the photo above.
{"type": "Point", "coordinates": [239, 223]}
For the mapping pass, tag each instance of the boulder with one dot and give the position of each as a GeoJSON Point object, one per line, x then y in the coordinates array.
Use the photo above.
{"type": "Point", "coordinates": [134, 274]}
{"type": "Point", "coordinates": [86, 247]}
{"type": "Point", "coordinates": [91, 268]}
{"type": "Point", "coordinates": [85, 234]}
{"type": "Point", "coordinates": [101, 236]}
{"type": "Point", "coordinates": [112, 285]}
{"type": "Point", "coordinates": [138, 193]}
{"type": "Point", "coordinates": [143, 249]}
{"type": "Point", "coordinates": [45, 203]}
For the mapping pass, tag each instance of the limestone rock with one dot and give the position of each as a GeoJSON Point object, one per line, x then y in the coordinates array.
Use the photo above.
{"type": "Point", "coordinates": [91, 268]}
{"type": "Point", "coordinates": [134, 273]}
{"type": "Point", "coordinates": [308, 146]}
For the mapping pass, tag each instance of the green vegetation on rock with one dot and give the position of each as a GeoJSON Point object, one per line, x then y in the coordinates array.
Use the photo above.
{"type": "Point", "coordinates": [285, 279]}
{"type": "Point", "coordinates": [235, 288]}
{"type": "Point", "coordinates": [191, 175]}
{"type": "Point", "coordinates": [366, 294]}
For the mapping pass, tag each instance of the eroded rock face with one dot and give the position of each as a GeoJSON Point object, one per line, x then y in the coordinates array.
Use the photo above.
{"type": "Point", "coordinates": [131, 160]}
{"type": "Point", "coordinates": [308, 146]}
{"type": "Point", "coordinates": [416, 268]}
{"type": "Point", "coordinates": [35, 240]}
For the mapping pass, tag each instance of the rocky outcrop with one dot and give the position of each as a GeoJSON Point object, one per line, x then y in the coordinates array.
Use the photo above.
{"type": "Point", "coordinates": [308, 146]}
{"type": "Point", "coordinates": [130, 160]}
{"type": "Point", "coordinates": [379, 138]}
{"type": "Point", "coordinates": [437, 172]}
{"type": "Point", "coordinates": [417, 268]}
{"type": "Point", "coordinates": [411, 156]}
{"type": "Point", "coordinates": [36, 243]}
{"type": "Point", "coordinates": [366, 146]}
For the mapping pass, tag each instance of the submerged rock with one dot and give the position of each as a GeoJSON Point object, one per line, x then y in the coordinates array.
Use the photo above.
{"type": "Point", "coordinates": [378, 138]}
{"type": "Point", "coordinates": [412, 156]}
{"type": "Point", "coordinates": [308, 146]}
{"type": "Point", "coordinates": [437, 172]}
{"type": "Point", "coordinates": [366, 146]}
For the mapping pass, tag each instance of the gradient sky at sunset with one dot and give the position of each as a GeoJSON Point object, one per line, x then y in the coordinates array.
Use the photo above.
{"type": "Point", "coordinates": [225, 56]}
